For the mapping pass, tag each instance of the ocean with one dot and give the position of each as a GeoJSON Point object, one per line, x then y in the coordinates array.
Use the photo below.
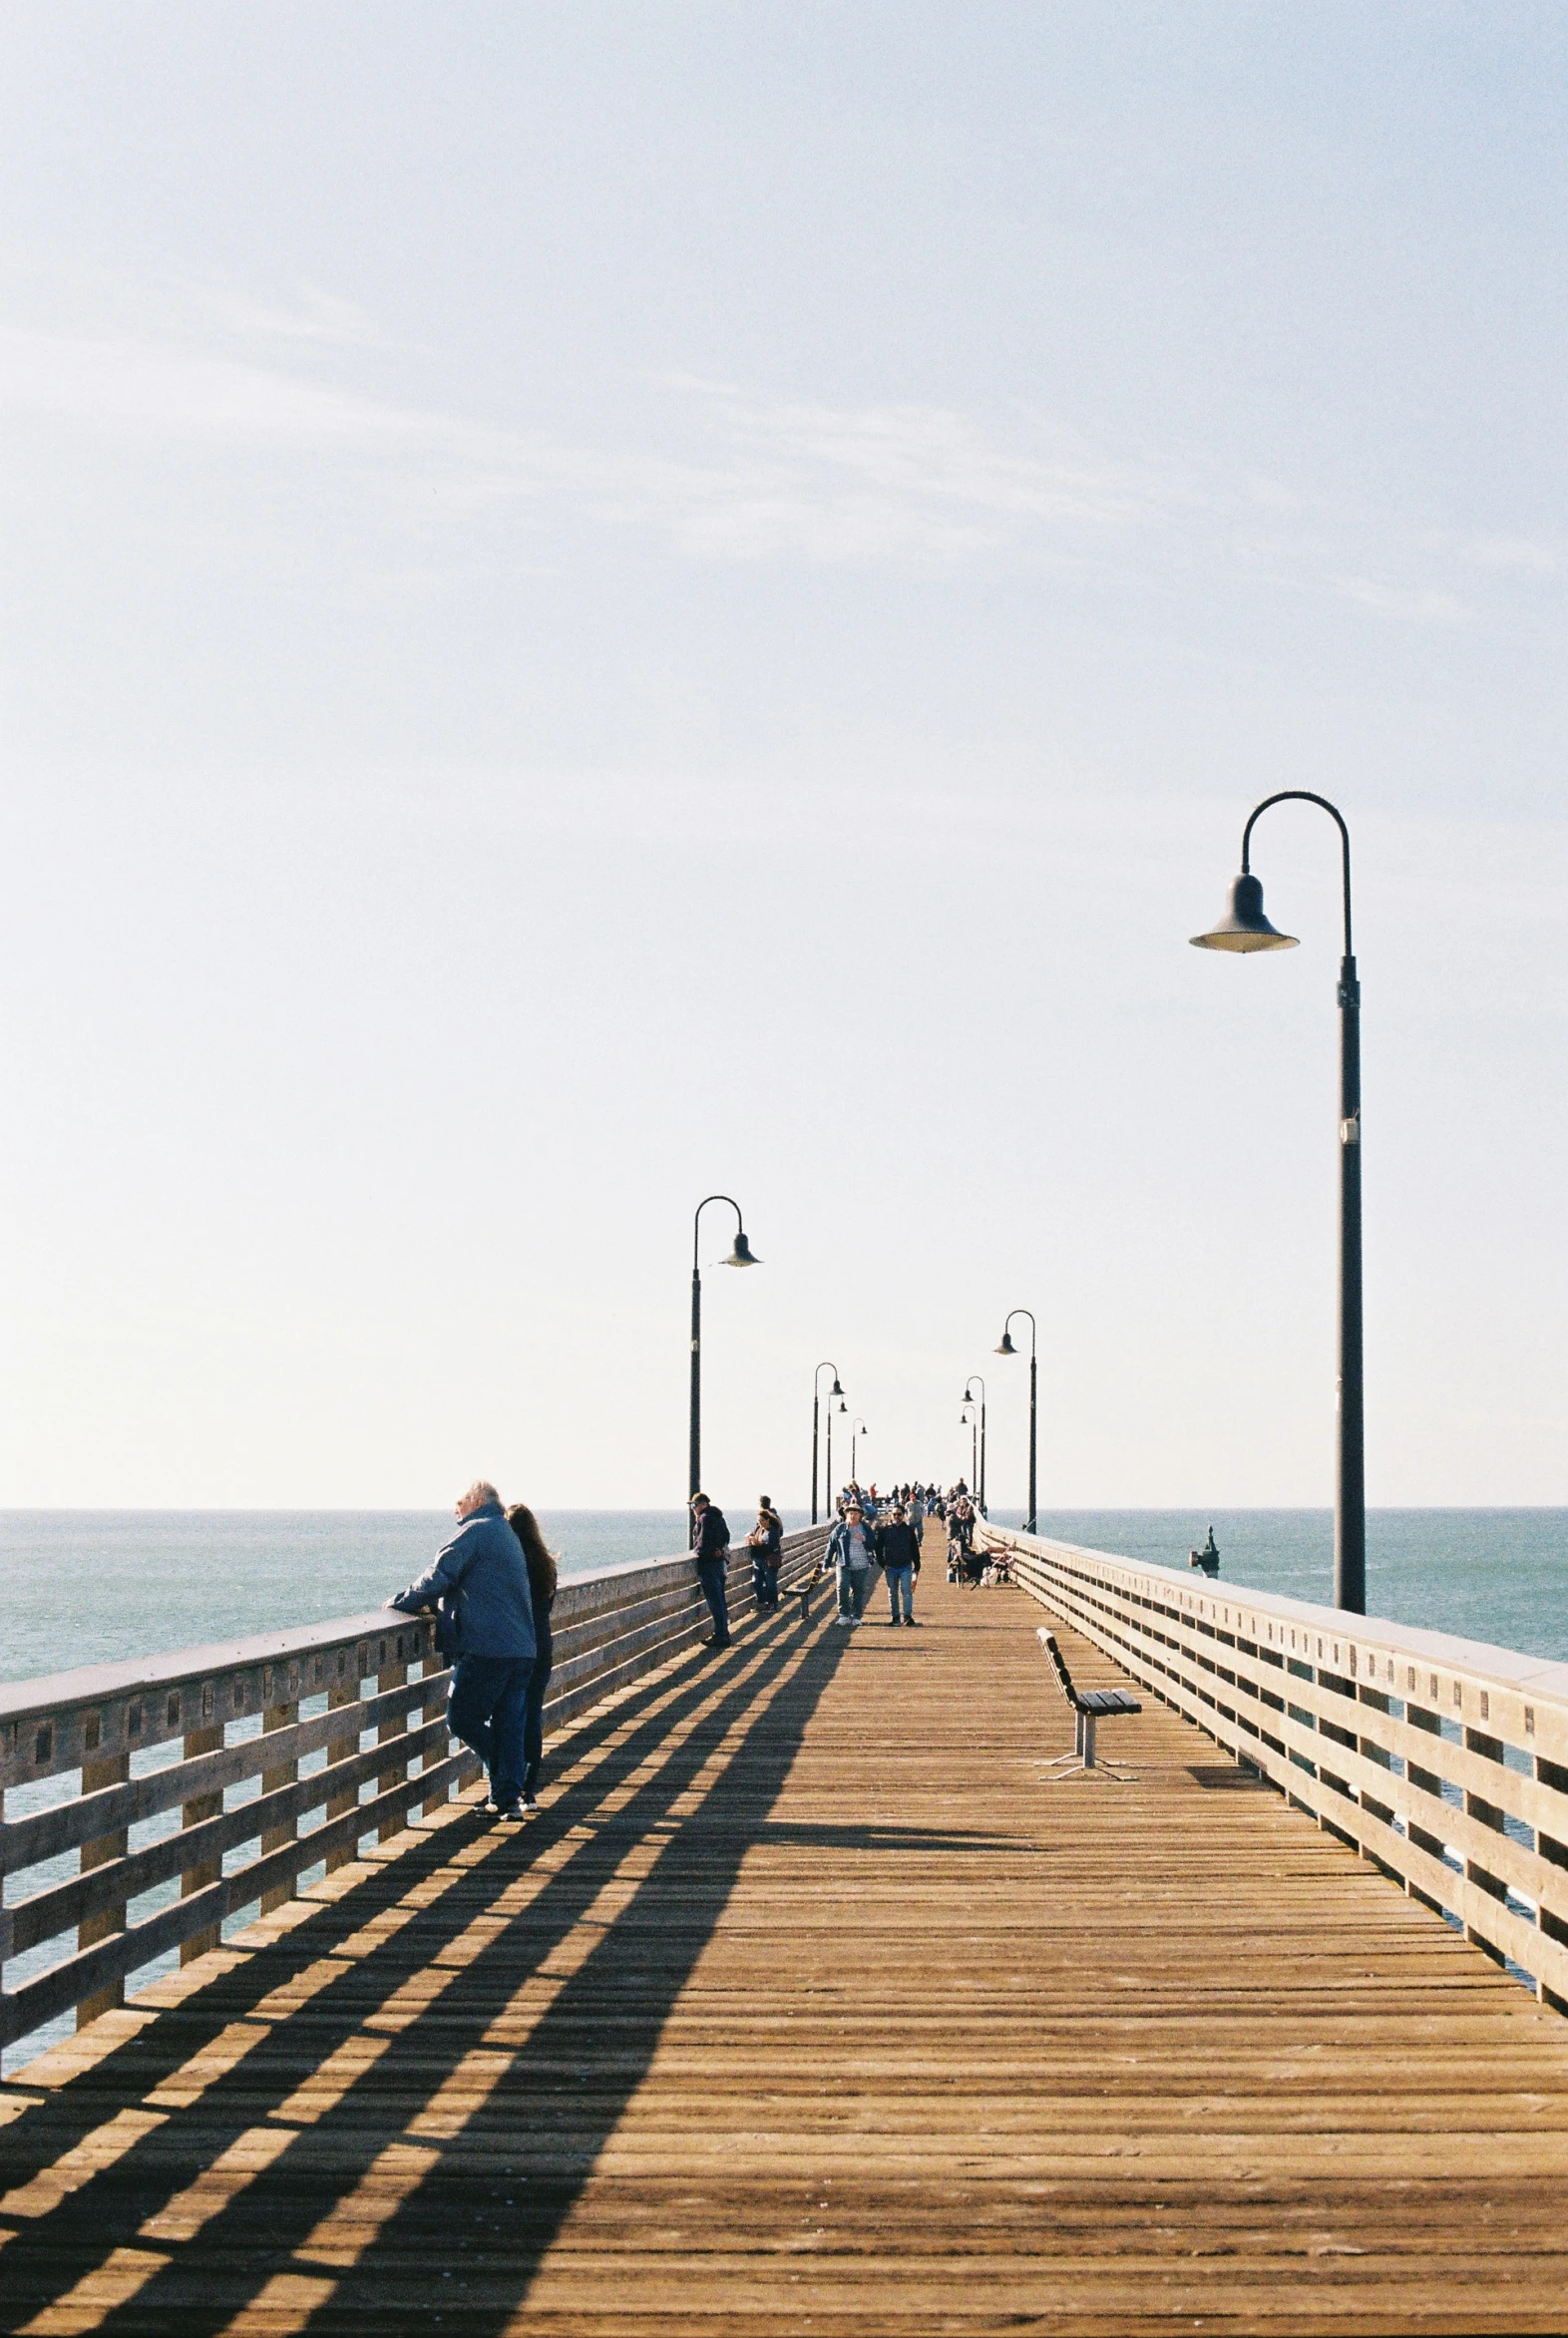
{"type": "Point", "coordinates": [97, 1586]}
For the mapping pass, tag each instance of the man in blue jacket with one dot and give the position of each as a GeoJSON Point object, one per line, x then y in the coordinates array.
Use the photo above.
{"type": "Point", "coordinates": [479, 1581]}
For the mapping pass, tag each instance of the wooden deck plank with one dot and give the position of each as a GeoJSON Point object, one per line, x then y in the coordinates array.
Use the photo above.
{"type": "Point", "coordinates": [813, 2006]}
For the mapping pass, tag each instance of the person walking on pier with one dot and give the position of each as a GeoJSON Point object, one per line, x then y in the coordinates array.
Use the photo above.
{"type": "Point", "coordinates": [479, 1581]}
{"type": "Point", "coordinates": [766, 1544]}
{"type": "Point", "coordinates": [542, 1576]}
{"type": "Point", "coordinates": [710, 1549]}
{"type": "Point", "coordinates": [898, 1554]}
{"type": "Point", "coordinates": [850, 1550]}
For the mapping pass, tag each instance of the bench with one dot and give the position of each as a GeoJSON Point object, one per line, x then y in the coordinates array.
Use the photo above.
{"type": "Point", "coordinates": [1088, 1705]}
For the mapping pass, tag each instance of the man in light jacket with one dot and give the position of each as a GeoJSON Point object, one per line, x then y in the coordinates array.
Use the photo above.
{"type": "Point", "coordinates": [849, 1551]}
{"type": "Point", "coordinates": [479, 1581]}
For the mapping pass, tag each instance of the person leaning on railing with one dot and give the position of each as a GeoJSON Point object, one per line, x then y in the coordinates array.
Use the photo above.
{"type": "Point", "coordinates": [542, 1577]}
{"type": "Point", "coordinates": [480, 1584]}
{"type": "Point", "coordinates": [766, 1545]}
{"type": "Point", "coordinates": [710, 1549]}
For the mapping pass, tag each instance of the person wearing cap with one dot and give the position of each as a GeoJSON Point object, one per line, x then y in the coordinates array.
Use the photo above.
{"type": "Point", "coordinates": [849, 1551]}
{"type": "Point", "coordinates": [710, 1549]}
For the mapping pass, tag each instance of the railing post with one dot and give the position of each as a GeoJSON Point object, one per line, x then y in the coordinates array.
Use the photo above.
{"type": "Point", "coordinates": [391, 1676]}
{"type": "Point", "coordinates": [278, 1716]}
{"type": "Point", "coordinates": [192, 1814]}
{"type": "Point", "coordinates": [112, 1770]}
{"type": "Point", "coordinates": [433, 1707]}
{"type": "Point", "coordinates": [343, 1748]}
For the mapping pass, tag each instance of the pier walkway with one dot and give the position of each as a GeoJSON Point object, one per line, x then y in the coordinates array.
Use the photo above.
{"type": "Point", "coordinates": [811, 2005]}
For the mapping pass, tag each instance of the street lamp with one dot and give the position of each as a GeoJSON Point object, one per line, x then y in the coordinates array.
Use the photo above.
{"type": "Point", "coordinates": [970, 1416]}
{"type": "Point", "coordinates": [1245, 928]}
{"type": "Point", "coordinates": [975, 1376]}
{"type": "Point", "coordinates": [1004, 1346]}
{"type": "Point", "coordinates": [816, 1394]}
{"type": "Point", "coordinates": [858, 1430]}
{"type": "Point", "coordinates": [827, 1482]}
{"type": "Point", "coordinates": [740, 1255]}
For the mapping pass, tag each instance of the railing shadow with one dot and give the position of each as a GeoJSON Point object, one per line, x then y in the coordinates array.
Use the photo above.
{"type": "Point", "coordinates": [469, 2136]}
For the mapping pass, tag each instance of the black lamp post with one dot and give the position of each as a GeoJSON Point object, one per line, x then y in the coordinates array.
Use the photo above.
{"type": "Point", "coordinates": [827, 1483]}
{"type": "Point", "coordinates": [815, 1394]}
{"type": "Point", "coordinates": [1004, 1346]}
{"type": "Point", "coordinates": [968, 1384]}
{"type": "Point", "coordinates": [740, 1255]}
{"type": "Point", "coordinates": [1245, 928]}
{"type": "Point", "coordinates": [970, 1416]}
{"type": "Point", "coordinates": [858, 1430]}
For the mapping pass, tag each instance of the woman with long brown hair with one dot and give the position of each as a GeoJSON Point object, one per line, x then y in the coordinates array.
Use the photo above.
{"type": "Point", "coordinates": [542, 1576]}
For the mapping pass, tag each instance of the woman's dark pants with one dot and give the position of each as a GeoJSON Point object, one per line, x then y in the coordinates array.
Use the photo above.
{"type": "Point", "coordinates": [534, 1716]}
{"type": "Point", "coordinates": [486, 1705]}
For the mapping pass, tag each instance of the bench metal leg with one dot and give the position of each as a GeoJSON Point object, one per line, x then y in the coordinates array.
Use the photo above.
{"type": "Point", "coordinates": [1082, 1757]}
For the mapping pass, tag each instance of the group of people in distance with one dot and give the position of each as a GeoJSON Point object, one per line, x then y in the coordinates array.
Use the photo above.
{"type": "Point", "coordinates": [493, 1585]}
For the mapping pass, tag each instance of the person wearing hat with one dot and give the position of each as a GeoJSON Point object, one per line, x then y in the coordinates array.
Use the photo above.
{"type": "Point", "coordinates": [849, 1551]}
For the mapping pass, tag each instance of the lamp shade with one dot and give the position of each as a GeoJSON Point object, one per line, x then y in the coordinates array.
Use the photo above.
{"type": "Point", "coordinates": [1005, 1345]}
{"type": "Point", "coordinates": [741, 1255]}
{"type": "Point", "coordinates": [1244, 926]}
{"type": "Point", "coordinates": [834, 1390]}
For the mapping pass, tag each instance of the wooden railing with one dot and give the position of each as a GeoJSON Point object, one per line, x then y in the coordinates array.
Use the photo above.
{"type": "Point", "coordinates": [1443, 1760]}
{"type": "Point", "coordinates": [238, 1768]}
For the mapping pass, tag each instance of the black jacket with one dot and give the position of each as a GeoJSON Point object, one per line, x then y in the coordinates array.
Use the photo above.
{"type": "Point", "coordinates": [712, 1534]}
{"type": "Point", "coordinates": [898, 1545]}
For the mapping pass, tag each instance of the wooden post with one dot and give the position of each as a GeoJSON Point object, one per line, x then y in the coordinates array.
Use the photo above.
{"type": "Point", "coordinates": [391, 1676]}
{"type": "Point", "coordinates": [278, 1716]}
{"type": "Point", "coordinates": [112, 1770]}
{"type": "Point", "coordinates": [433, 1707]}
{"type": "Point", "coordinates": [341, 1750]}
{"type": "Point", "coordinates": [192, 1814]}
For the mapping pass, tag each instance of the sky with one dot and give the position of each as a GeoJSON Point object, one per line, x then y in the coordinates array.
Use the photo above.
{"type": "Point", "coordinates": [606, 603]}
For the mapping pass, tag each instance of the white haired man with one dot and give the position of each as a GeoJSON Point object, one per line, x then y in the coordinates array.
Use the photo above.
{"type": "Point", "coordinates": [480, 1582]}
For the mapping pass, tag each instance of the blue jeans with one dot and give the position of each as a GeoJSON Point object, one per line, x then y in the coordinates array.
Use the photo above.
{"type": "Point", "coordinates": [533, 1712]}
{"type": "Point", "coordinates": [711, 1573]}
{"type": "Point", "coordinates": [765, 1582]}
{"type": "Point", "coordinates": [486, 1705]}
{"type": "Point", "coordinates": [854, 1583]}
{"type": "Point", "coordinates": [901, 1580]}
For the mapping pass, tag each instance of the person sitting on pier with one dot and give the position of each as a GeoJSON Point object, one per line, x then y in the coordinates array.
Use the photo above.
{"type": "Point", "coordinates": [481, 1581]}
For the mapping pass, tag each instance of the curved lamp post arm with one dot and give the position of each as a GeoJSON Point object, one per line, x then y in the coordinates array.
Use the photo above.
{"type": "Point", "coordinates": [1303, 795]}
{"type": "Point", "coordinates": [827, 1365]}
{"type": "Point", "coordinates": [697, 1220]}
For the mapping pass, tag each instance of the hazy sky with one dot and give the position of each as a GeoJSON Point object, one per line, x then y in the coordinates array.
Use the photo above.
{"type": "Point", "coordinates": [604, 602]}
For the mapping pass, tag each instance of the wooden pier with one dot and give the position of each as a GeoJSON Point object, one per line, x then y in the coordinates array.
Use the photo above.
{"type": "Point", "coordinates": [812, 2004]}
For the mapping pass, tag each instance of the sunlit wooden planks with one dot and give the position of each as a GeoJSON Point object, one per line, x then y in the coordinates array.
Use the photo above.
{"type": "Point", "coordinates": [813, 2006]}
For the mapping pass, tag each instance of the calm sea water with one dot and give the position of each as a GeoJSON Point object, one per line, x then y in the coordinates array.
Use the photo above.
{"type": "Point", "coordinates": [96, 1586]}
{"type": "Point", "coordinates": [1495, 1575]}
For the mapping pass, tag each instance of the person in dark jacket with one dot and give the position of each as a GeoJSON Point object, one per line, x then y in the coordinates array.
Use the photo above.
{"type": "Point", "coordinates": [481, 1581]}
{"type": "Point", "coordinates": [710, 1549]}
{"type": "Point", "coordinates": [542, 1576]}
{"type": "Point", "coordinates": [897, 1555]}
{"type": "Point", "coordinates": [766, 1545]}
